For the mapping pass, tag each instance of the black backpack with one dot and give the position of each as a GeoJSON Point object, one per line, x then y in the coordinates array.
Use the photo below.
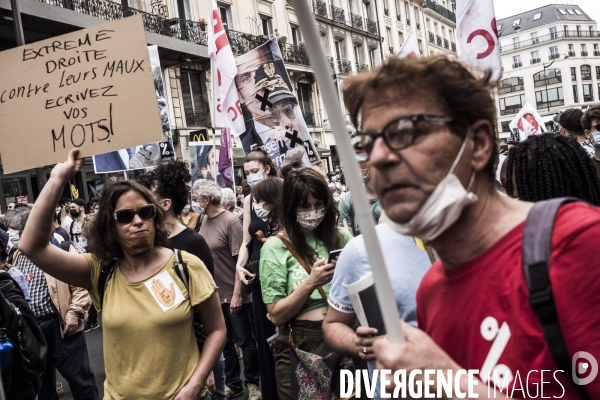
{"type": "Point", "coordinates": [23, 379]}
{"type": "Point", "coordinates": [537, 251]}
{"type": "Point", "coordinates": [182, 272]}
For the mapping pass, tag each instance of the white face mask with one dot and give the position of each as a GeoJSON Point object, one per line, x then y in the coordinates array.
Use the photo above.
{"type": "Point", "coordinates": [261, 212]}
{"type": "Point", "coordinates": [310, 219]}
{"type": "Point", "coordinates": [441, 209]}
{"type": "Point", "coordinates": [13, 236]}
{"type": "Point", "coordinates": [253, 179]}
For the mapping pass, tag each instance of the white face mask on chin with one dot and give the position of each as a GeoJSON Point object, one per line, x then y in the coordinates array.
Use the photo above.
{"type": "Point", "coordinates": [441, 209]}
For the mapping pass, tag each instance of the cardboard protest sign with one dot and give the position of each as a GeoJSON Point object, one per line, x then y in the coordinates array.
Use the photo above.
{"type": "Point", "coordinates": [204, 162]}
{"type": "Point", "coordinates": [527, 122]}
{"type": "Point", "coordinates": [91, 89]}
{"type": "Point", "coordinates": [271, 112]}
{"type": "Point", "coordinates": [148, 155]}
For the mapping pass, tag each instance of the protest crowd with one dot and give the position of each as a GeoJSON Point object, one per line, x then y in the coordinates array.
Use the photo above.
{"type": "Point", "coordinates": [205, 292]}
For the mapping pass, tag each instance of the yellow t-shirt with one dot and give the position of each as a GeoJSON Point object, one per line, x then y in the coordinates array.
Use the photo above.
{"type": "Point", "coordinates": [150, 350]}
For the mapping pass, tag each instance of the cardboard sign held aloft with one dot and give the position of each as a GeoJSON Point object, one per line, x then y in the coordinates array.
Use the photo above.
{"type": "Point", "coordinates": [91, 89]}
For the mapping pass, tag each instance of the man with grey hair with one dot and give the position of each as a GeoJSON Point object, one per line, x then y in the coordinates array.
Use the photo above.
{"type": "Point", "coordinates": [224, 235]}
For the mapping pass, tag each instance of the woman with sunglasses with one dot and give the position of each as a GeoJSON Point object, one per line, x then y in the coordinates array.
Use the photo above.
{"type": "Point", "coordinates": [150, 348]}
{"type": "Point", "coordinates": [293, 296]}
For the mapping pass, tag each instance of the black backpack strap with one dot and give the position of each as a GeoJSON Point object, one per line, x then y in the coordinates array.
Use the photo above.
{"type": "Point", "coordinates": [181, 269]}
{"type": "Point", "coordinates": [537, 251]}
{"type": "Point", "coordinates": [105, 274]}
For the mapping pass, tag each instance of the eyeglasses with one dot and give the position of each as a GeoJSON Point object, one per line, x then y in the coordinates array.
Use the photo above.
{"type": "Point", "coordinates": [274, 114]}
{"type": "Point", "coordinates": [126, 215]}
{"type": "Point", "coordinates": [398, 134]}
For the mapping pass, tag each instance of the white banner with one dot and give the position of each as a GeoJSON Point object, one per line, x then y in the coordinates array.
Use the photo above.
{"type": "Point", "coordinates": [409, 47]}
{"type": "Point", "coordinates": [527, 122]}
{"type": "Point", "coordinates": [227, 112]}
{"type": "Point", "coordinates": [478, 35]}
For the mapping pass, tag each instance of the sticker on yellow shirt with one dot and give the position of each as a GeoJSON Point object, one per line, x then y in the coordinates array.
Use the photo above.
{"type": "Point", "coordinates": [164, 290]}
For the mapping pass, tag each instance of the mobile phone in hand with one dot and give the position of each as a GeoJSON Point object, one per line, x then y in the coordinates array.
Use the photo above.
{"type": "Point", "coordinates": [333, 254]}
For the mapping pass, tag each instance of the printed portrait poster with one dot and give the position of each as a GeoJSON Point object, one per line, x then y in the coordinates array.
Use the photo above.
{"type": "Point", "coordinates": [204, 162]}
{"type": "Point", "coordinates": [271, 112]}
{"type": "Point", "coordinates": [528, 122]}
{"type": "Point", "coordinates": [148, 155]}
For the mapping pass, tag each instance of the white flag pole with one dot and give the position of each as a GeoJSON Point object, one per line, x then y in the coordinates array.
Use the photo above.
{"type": "Point", "coordinates": [385, 295]}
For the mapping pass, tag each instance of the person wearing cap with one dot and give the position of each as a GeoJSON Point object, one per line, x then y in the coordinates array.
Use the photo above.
{"type": "Point", "coordinates": [570, 125]}
{"type": "Point", "coordinates": [77, 212]}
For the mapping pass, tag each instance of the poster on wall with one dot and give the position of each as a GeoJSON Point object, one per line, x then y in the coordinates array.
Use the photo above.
{"type": "Point", "coordinates": [204, 162]}
{"type": "Point", "coordinates": [272, 116]}
{"type": "Point", "coordinates": [148, 155]}
{"type": "Point", "coordinates": [526, 123]}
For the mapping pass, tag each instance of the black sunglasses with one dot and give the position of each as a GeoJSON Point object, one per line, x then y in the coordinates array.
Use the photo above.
{"type": "Point", "coordinates": [398, 134]}
{"type": "Point", "coordinates": [126, 215]}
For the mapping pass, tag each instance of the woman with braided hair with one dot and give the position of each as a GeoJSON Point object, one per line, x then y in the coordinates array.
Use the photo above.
{"type": "Point", "coordinates": [549, 166]}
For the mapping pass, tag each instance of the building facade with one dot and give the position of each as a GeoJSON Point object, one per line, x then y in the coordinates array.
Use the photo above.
{"type": "Point", "coordinates": [355, 34]}
{"type": "Point", "coordinates": [550, 59]}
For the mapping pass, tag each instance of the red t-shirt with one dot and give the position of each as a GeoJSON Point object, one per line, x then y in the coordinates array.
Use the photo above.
{"type": "Point", "coordinates": [484, 301]}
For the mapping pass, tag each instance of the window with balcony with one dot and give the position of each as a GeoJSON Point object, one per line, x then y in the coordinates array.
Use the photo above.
{"type": "Point", "coordinates": [398, 15]}
{"type": "Point", "coordinates": [194, 106]}
{"type": "Point", "coordinates": [552, 76]}
{"type": "Point", "coordinates": [305, 103]}
{"type": "Point", "coordinates": [586, 73]}
{"type": "Point", "coordinates": [371, 57]}
{"type": "Point", "coordinates": [550, 98]}
{"type": "Point", "coordinates": [226, 17]}
{"type": "Point", "coordinates": [420, 45]}
{"type": "Point", "coordinates": [401, 38]}
{"type": "Point", "coordinates": [571, 50]}
{"type": "Point", "coordinates": [574, 74]}
{"type": "Point", "coordinates": [512, 104]}
{"type": "Point", "coordinates": [407, 13]}
{"type": "Point", "coordinates": [598, 73]}
{"type": "Point", "coordinates": [553, 33]}
{"type": "Point", "coordinates": [296, 36]}
{"type": "Point", "coordinates": [517, 62]}
{"type": "Point", "coordinates": [510, 85]}
{"type": "Point", "coordinates": [417, 20]}
{"type": "Point", "coordinates": [575, 94]}
{"type": "Point", "coordinates": [596, 50]}
{"type": "Point", "coordinates": [578, 29]}
{"type": "Point", "coordinates": [588, 94]}
{"type": "Point", "coordinates": [554, 52]}
{"type": "Point", "coordinates": [516, 42]}
{"type": "Point", "coordinates": [184, 9]}
{"type": "Point", "coordinates": [267, 26]}
{"type": "Point", "coordinates": [584, 52]}
{"type": "Point", "coordinates": [535, 57]}
{"type": "Point", "coordinates": [534, 38]}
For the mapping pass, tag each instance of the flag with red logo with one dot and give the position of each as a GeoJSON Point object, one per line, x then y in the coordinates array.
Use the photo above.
{"type": "Point", "coordinates": [227, 112]}
{"type": "Point", "coordinates": [409, 47]}
{"type": "Point", "coordinates": [478, 35]}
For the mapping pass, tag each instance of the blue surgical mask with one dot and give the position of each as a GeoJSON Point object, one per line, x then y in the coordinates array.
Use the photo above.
{"type": "Point", "coordinates": [253, 179]}
{"type": "Point", "coordinates": [596, 138]}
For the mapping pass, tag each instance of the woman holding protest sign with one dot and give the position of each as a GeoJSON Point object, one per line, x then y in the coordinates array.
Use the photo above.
{"type": "Point", "coordinates": [151, 353]}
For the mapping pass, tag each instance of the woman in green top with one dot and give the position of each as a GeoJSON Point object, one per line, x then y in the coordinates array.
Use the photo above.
{"type": "Point", "coordinates": [307, 215]}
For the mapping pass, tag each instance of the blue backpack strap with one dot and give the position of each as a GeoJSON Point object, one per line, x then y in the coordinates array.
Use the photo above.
{"type": "Point", "coordinates": [537, 253]}
{"type": "Point", "coordinates": [105, 274]}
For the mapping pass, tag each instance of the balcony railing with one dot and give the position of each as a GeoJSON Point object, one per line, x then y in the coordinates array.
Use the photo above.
{"type": "Point", "coordinates": [294, 54]}
{"type": "Point", "coordinates": [320, 8]}
{"type": "Point", "coordinates": [444, 12]}
{"type": "Point", "coordinates": [371, 26]}
{"type": "Point", "coordinates": [584, 54]}
{"type": "Point", "coordinates": [196, 118]}
{"type": "Point", "coordinates": [453, 46]}
{"type": "Point", "coordinates": [571, 54]}
{"type": "Point", "coordinates": [398, 17]}
{"type": "Point", "coordinates": [438, 40]}
{"type": "Point", "coordinates": [446, 44]}
{"type": "Point", "coordinates": [356, 21]}
{"type": "Point", "coordinates": [344, 67]}
{"type": "Point", "coordinates": [550, 38]}
{"type": "Point", "coordinates": [431, 37]}
{"type": "Point", "coordinates": [536, 60]}
{"type": "Point", "coordinates": [407, 21]}
{"type": "Point", "coordinates": [338, 14]}
{"type": "Point", "coordinates": [361, 67]}
{"type": "Point", "coordinates": [177, 28]}
{"type": "Point", "coordinates": [243, 42]}
{"type": "Point", "coordinates": [517, 65]}
{"type": "Point", "coordinates": [553, 56]}
{"type": "Point", "coordinates": [386, 12]}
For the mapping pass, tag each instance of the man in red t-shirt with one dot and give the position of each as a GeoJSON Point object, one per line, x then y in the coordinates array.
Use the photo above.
{"type": "Point", "coordinates": [428, 127]}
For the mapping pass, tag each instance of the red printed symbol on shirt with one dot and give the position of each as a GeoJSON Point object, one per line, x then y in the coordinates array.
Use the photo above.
{"type": "Point", "coordinates": [499, 337]}
{"type": "Point", "coordinates": [28, 277]}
